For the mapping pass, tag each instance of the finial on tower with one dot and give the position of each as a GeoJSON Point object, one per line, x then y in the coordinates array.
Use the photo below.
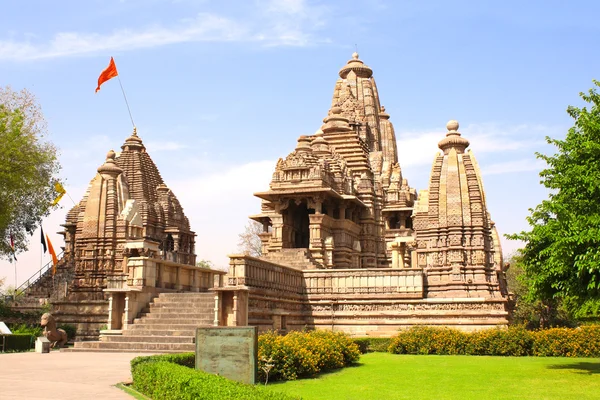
{"type": "Point", "coordinates": [134, 131]}
{"type": "Point", "coordinates": [355, 55]}
{"type": "Point", "coordinates": [453, 139]}
{"type": "Point", "coordinates": [452, 125]}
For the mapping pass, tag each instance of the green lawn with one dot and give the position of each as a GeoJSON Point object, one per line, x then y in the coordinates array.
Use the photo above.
{"type": "Point", "coordinates": [388, 376]}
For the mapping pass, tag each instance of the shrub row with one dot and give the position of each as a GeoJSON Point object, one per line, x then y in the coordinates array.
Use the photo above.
{"type": "Point", "coordinates": [184, 359]}
{"type": "Point", "coordinates": [514, 341]}
{"type": "Point", "coordinates": [366, 345]}
{"type": "Point", "coordinates": [304, 354]}
{"type": "Point", "coordinates": [161, 378]}
{"type": "Point", "coordinates": [19, 342]}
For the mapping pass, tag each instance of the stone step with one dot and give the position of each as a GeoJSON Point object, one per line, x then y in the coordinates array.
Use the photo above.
{"type": "Point", "coordinates": [150, 331]}
{"type": "Point", "coordinates": [165, 326]}
{"type": "Point", "coordinates": [183, 307]}
{"type": "Point", "coordinates": [147, 339]}
{"type": "Point", "coordinates": [80, 350]}
{"type": "Point", "coordinates": [187, 303]}
{"type": "Point", "coordinates": [136, 346]}
{"type": "Point", "coordinates": [183, 321]}
{"type": "Point", "coordinates": [172, 315]}
{"type": "Point", "coordinates": [179, 310]}
{"type": "Point", "coordinates": [185, 296]}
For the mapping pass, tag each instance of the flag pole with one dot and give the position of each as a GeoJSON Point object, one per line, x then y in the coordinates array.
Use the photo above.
{"type": "Point", "coordinates": [15, 277]}
{"type": "Point", "coordinates": [126, 102]}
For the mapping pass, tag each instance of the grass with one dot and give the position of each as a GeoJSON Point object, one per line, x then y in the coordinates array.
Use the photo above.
{"type": "Point", "coordinates": [132, 392]}
{"type": "Point", "coordinates": [388, 376]}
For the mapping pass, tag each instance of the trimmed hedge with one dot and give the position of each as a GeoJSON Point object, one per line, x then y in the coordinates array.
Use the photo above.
{"type": "Point", "coordinates": [367, 345]}
{"type": "Point", "coordinates": [19, 342]}
{"type": "Point", "coordinates": [514, 341]}
{"type": "Point", "coordinates": [304, 354]}
{"type": "Point", "coordinates": [184, 359]}
{"type": "Point", "coordinates": [161, 378]}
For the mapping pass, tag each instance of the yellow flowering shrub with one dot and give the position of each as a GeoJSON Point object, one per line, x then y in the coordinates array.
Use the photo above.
{"type": "Point", "coordinates": [304, 354]}
{"type": "Point", "coordinates": [513, 341]}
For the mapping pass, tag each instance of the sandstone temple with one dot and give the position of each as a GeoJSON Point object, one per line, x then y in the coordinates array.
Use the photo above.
{"type": "Point", "coordinates": [347, 244]}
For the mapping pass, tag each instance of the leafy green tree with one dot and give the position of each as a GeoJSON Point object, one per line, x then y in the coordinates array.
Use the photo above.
{"type": "Point", "coordinates": [561, 257]}
{"type": "Point", "coordinates": [205, 264]}
{"type": "Point", "coordinates": [28, 168]}
{"type": "Point", "coordinates": [530, 312]}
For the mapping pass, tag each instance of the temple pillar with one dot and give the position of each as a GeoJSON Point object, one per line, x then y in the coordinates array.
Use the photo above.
{"type": "Point", "coordinates": [276, 242]}
{"type": "Point", "coordinates": [316, 238]}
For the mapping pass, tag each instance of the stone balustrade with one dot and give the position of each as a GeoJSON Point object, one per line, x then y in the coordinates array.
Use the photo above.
{"type": "Point", "coordinates": [164, 274]}
{"type": "Point", "coordinates": [256, 273]}
{"type": "Point", "coordinates": [364, 281]}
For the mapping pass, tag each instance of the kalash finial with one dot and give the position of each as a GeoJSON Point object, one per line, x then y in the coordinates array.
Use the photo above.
{"type": "Point", "coordinates": [134, 131]}
{"type": "Point", "coordinates": [355, 55]}
{"type": "Point", "coordinates": [452, 125]}
{"type": "Point", "coordinates": [453, 140]}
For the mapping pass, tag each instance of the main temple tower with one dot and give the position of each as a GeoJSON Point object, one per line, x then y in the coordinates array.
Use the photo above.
{"type": "Point", "coordinates": [339, 199]}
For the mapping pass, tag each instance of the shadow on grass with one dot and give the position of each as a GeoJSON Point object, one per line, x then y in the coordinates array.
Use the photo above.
{"type": "Point", "coordinates": [321, 375]}
{"type": "Point", "coordinates": [588, 368]}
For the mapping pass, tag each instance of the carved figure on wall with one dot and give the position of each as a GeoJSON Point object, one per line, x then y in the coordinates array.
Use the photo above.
{"type": "Point", "coordinates": [57, 337]}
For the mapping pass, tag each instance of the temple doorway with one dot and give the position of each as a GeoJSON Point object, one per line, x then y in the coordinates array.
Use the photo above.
{"type": "Point", "coordinates": [298, 221]}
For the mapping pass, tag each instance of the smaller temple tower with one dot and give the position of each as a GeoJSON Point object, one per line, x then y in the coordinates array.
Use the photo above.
{"type": "Point", "coordinates": [457, 242]}
{"type": "Point", "coordinates": [127, 211]}
{"type": "Point", "coordinates": [123, 242]}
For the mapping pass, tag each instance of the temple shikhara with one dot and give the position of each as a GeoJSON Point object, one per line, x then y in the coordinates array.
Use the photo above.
{"type": "Point", "coordinates": [347, 243]}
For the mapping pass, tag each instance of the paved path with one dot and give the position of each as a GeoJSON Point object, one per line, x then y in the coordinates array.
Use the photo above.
{"type": "Point", "coordinates": [59, 375]}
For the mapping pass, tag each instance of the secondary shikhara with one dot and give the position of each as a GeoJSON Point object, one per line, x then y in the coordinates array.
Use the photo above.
{"type": "Point", "coordinates": [347, 243]}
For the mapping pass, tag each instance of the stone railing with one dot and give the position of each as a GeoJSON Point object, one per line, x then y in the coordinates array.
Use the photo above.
{"type": "Point", "coordinates": [364, 281]}
{"type": "Point", "coordinates": [256, 273]}
{"type": "Point", "coordinates": [163, 274]}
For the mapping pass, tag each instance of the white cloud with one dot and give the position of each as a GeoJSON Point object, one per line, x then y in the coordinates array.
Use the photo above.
{"type": "Point", "coordinates": [514, 166]}
{"type": "Point", "coordinates": [418, 148]}
{"type": "Point", "coordinates": [279, 23]}
{"type": "Point", "coordinates": [218, 206]}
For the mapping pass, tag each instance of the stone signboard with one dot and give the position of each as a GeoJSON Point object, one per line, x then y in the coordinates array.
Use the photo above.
{"type": "Point", "coordinates": [231, 352]}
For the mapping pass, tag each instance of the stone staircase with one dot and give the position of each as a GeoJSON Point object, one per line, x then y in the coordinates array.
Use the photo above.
{"type": "Point", "coordinates": [168, 325]}
{"type": "Point", "coordinates": [295, 258]}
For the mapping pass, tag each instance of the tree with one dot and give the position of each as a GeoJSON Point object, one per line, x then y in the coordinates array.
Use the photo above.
{"type": "Point", "coordinates": [249, 242]}
{"type": "Point", "coordinates": [28, 168]}
{"type": "Point", "coordinates": [561, 257]}
{"type": "Point", "coordinates": [528, 312]}
{"type": "Point", "coordinates": [205, 264]}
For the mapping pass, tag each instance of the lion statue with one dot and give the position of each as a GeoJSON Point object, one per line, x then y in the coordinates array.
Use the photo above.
{"type": "Point", "coordinates": [57, 337]}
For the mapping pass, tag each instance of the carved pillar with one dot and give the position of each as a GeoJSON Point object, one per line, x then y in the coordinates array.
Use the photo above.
{"type": "Point", "coordinates": [316, 237]}
{"type": "Point", "coordinates": [276, 242]}
{"type": "Point", "coordinates": [342, 211]}
{"type": "Point", "coordinates": [217, 311]}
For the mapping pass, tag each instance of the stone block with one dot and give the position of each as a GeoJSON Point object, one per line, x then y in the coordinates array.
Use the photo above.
{"type": "Point", "coordinates": [42, 345]}
{"type": "Point", "coordinates": [231, 352]}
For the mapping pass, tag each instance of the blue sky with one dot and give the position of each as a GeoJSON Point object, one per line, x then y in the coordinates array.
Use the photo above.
{"type": "Point", "coordinates": [220, 90]}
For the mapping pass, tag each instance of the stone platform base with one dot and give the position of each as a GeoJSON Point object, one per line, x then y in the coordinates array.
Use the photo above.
{"type": "Point", "coordinates": [89, 317]}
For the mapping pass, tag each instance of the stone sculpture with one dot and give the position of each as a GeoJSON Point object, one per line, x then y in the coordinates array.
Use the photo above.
{"type": "Point", "coordinates": [57, 337]}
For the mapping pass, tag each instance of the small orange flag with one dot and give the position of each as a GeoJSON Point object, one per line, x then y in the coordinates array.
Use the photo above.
{"type": "Point", "coordinates": [53, 253]}
{"type": "Point", "coordinates": [109, 73]}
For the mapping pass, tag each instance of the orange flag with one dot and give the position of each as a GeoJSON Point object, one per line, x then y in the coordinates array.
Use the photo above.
{"type": "Point", "coordinates": [53, 253]}
{"type": "Point", "coordinates": [109, 73]}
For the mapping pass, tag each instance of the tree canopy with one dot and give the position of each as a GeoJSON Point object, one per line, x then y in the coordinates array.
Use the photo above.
{"type": "Point", "coordinates": [561, 257]}
{"type": "Point", "coordinates": [28, 168]}
{"type": "Point", "coordinates": [248, 241]}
